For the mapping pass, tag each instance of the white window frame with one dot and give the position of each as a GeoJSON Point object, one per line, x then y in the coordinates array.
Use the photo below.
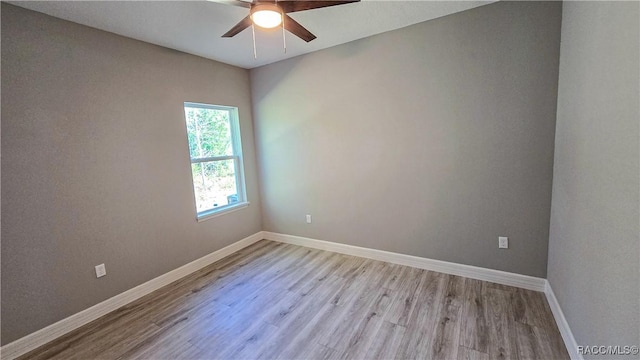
{"type": "Point", "coordinates": [236, 144]}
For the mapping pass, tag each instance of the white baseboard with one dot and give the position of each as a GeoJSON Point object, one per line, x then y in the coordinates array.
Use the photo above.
{"type": "Point", "coordinates": [563, 325]}
{"type": "Point", "coordinates": [474, 272]}
{"type": "Point", "coordinates": [53, 331]}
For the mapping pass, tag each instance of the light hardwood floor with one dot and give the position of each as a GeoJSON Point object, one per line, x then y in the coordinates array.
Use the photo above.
{"type": "Point", "coordinates": [279, 301]}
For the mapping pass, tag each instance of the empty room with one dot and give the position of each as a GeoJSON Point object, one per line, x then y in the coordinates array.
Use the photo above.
{"type": "Point", "coordinates": [294, 179]}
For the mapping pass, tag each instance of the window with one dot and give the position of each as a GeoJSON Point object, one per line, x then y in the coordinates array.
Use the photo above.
{"type": "Point", "coordinates": [216, 158]}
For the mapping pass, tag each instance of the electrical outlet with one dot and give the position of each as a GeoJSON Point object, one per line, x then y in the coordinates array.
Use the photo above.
{"type": "Point", "coordinates": [503, 242]}
{"type": "Point", "coordinates": [101, 271]}
{"type": "Point", "coordinates": [308, 219]}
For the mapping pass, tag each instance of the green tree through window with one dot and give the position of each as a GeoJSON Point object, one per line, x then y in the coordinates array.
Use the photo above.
{"type": "Point", "coordinates": [215, 151]}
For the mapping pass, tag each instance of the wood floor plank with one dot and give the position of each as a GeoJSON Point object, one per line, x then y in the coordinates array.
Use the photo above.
{"type": "Point", "coordinates": [465, 353]}
{"type": "Point", "coordinates": [216, 333]}
{"type": "Point", "coordinates": [531, 307]}
{"type": "Point", "coordinates": [313, 329]}
{"type": "Point", "coordinates": [357, 333]}
{"type": "Point", "coordinates": [324, 284]}
{"type": "Point", "coordinates": [552, 342]}
{"type": "Point", "coordinates": [396, 274]}
{"type": "Point", "coordinates": [109, 342]}
{"type": "Point", "coordinates": [274, 315]}
{"type": "Point", "coordinates": [473, 330]}
{"type": "Point", "coordinates": [341, 315]}
{"type": "Point", "coordinates": [248, 343]}
{"type": "Point", "coordinates": [315, 351]}
{"type": "Point", "coordinates": [307, 333]}
{"type": "Point", "coordinates": [181, 297]}
{"type": "Point", "coordinates": [536, 343]}
{"type": "Point", "coordinates": [328, 267]}
{"type": "Point", "coordinates": [500, 325]}
{"type": "Point", "coordinates": [171, 341]}
{"type": "Point", "coordinates": [228, 290]}
{"type": "Point", "coordinates": [422, 323]}
{"type": "Point", "coordinates": [528, 347]}
{"type": "Point", "coordinates": [350, 266]}
{"type": "Point", "coordinates": [408, 289]}
{"type": "Point", "coordinates": [298, 329]}
{"type": "Point", "coordinates": [366, 300]}
{"type": "Point", "coordinates": [281, 301]}
{"type": "Point", "coordinates": [386, 341]}
{"type": "Point", "coordinates": [447, 334]}
{"type": "Point", "coordinates": [174, 351]}
{"type": "Point", "coordinates": [357, 280]}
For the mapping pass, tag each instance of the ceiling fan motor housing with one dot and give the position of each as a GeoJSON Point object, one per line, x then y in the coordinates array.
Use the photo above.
{"type": "Point", "coordinates": [266, 15]}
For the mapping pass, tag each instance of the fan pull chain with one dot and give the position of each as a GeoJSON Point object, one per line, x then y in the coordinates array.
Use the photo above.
{"type": "Point", "coordinates": [255, 53]}
{"type": "Point", "coordinates": [284, 38]}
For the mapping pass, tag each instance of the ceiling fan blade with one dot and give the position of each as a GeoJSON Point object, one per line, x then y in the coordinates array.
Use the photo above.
{"type": "Point", "coordinates": [301, 5]}
{"type": "Point", "coordinates": [243, 24]}
{"type": "Point", "coordinates": [240, 3]}
{"type": "Point", "coordinates": [296, 29]}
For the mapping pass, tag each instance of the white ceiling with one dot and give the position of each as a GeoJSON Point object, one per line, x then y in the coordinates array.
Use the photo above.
{"type": "Point", "coordinates": [195, 27]}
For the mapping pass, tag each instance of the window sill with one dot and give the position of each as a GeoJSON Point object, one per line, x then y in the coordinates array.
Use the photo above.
{"type": "Point", "coordinates": [225, 210]}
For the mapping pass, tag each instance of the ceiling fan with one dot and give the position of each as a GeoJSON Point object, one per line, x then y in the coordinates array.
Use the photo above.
{"type": "Point", "coordinates": [270, 14]}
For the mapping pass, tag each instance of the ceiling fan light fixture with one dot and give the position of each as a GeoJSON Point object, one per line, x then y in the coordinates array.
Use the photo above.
{"type": "Point", "coordinates": [266, 15]}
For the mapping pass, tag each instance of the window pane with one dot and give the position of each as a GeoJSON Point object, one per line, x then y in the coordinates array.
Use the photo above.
{"type": "Point", "coordinates": [214, 183]}
{"type": "Point", "coordinates": [209, 132]}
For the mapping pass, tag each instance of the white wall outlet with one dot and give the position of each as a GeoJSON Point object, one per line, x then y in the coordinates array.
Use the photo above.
{"type": "Point", "coordinates": [503, 242]}
{"type": "Point", "coordinates": [101, 271]}
{"type": "Point", "coordinates": [308, 219]}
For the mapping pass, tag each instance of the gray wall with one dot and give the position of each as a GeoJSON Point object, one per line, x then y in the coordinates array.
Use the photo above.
{"type": "Point", "coordinates": [95, 165]}
{"type": "Point", "coordinates": [594, 247]}
{"type": "Point", "coordinates": [431, 140]}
